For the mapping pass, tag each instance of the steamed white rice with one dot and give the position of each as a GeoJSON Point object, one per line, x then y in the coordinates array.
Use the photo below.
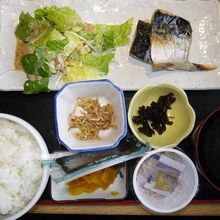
{"type": "Point", "coordinates": [20, 167]}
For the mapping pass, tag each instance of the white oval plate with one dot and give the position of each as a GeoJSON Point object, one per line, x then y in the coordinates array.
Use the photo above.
{"type": "Point", "coordinates": [126, 72]}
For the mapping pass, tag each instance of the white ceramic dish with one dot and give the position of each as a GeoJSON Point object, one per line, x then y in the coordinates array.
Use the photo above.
{"type": "Point", "coordinates": [59, 192]}
{"type": "Point", "coordinates": [106, 92]}
{"type": "Point", "coordinates": [127, 72]}
{"type": "Point", "coordinates": [45, 175]}
{"type": "Point", "coordinates": [181, 196]}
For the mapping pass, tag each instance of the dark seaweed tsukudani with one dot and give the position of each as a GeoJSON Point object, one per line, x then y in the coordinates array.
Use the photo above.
{"type": "Point", "coordinates": [154, 117]}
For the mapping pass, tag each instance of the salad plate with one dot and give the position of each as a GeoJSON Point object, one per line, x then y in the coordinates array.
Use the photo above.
{"type": "Point", "coordinates": [125, 71]}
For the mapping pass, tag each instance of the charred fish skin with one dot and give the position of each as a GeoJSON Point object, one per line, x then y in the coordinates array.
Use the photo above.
{"type": "Point", "coordinates": [170, 38]}
{"type": "Point", "coordinates": [141, 48]}
{"type": "Point", "coordinates": [164, 22]}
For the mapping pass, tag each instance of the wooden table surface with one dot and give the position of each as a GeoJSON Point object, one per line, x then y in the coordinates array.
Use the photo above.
{"type": "Point", "coordinates": [194, 209]}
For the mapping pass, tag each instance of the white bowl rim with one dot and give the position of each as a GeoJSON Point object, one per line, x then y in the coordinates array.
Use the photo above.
{"type": "Point", "coordinates": [153, 208]}
{"type": "Point", "coordinates": [180, 90]}
{"type": "Point", "coordinates": [125, 126]}
{"type": "Point", "coordinates": [45, 176]}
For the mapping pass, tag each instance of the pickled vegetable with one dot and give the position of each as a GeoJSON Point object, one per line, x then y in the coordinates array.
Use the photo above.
{"type": "Point", "coordinates": [94, 181]}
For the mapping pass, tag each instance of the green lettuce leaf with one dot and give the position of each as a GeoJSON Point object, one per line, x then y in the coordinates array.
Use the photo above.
{"type": "Point", "coordinates": [73, 37]}
{"type": "Point", "coordinates": [80, 44]}
{"type": "Point", "coordinates": [49, 36]}
{"type": "Point", "coordinates": [52, 43]}
{"type": "Point", "coordinates": [41, 53]}
{"type": "Point", "coordinates": [37, 86]}
{"type": "Point", "coordinates": [88, 48]}
{"type": "Point", "coordinates": [88, 34]}
{"type": "Point", "coordinates": [42, 13]}
{"type": "Point", "coordinates": [30, 29]}
{"type": "Point", "coordinates": [44, 70]}
{"type": "Point", "coordinates": [29, 63]}
{"type": "Point", "coordinates": [63, 18]}
{"type": "Point", "coordinates": [101, 62]}
{"type": "Point", "coordinates": [22, 31]}
{"type": "Point", "coordinates": [77, 71]}
{"type": "Point", "coordinates": [35, 64]}
{"type": "Point", "coordinates": [56, 45]}
{"type": "Point", "coordinates": [112, 36]}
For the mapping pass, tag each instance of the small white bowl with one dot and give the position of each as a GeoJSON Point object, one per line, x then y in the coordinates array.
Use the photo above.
{"type": "Point", "coordinates": [181, 196]}
{"type": "Point", "coordinates": [45, 175]}
{"type": "Point", "coordinates": [106, 92]}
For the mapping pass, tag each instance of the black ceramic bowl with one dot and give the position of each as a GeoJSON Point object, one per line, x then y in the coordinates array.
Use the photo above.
{"type": "Point", "coordinates": [208, 148]}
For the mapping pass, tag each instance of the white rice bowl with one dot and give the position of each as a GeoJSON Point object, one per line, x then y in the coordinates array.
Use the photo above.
{"type": "Point", "coordinates": [22, 177]}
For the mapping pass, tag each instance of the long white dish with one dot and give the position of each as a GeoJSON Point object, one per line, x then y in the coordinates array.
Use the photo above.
{"type": "Point", "coordinates": [126, 72]}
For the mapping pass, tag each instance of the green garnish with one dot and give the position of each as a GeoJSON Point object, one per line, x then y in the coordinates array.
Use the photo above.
{"type": "Point", "coordinates": [64, 45]}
